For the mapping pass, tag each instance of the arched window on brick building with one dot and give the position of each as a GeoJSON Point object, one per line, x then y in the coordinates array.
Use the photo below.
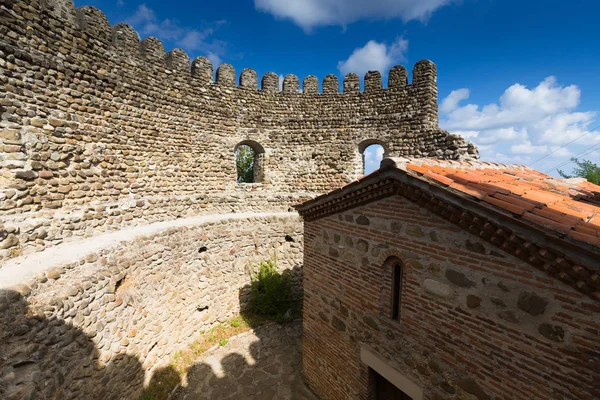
{"type": "Point", "coordinates": [372, 152]}
{"type": "Point", "coordinates": [249, 162]}
{"type": "Point", "coordinates": [396, 290]}
{"type": "Point", "coordinates": [393, 271]}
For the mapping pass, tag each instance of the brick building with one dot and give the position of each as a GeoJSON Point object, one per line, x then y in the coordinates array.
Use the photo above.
{"type": "Point", "coordinates": [453, 280]}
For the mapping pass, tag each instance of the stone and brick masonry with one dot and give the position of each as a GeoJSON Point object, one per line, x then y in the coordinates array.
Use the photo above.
{"type": "Point", "coordinates": [101, 132]}
{"type": "Point", "coordinates": [500, 299]}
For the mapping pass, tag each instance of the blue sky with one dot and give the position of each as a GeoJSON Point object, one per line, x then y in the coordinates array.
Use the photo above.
{"type": "Point", "coordinates": [519, 78]}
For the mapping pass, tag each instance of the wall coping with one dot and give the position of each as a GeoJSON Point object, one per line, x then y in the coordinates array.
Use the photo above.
{"type": "Point", "coordinates": [22, 269]}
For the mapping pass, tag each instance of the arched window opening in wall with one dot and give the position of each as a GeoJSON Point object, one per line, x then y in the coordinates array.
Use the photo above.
{"type": "Point", "coordinates": [249, 162]}
{"type": "Point", "coordinates": [372, 152]}
{"type": "Point", "coordinates": [396, 290]}
{"type": "Point", "coordinates": [391, 289]}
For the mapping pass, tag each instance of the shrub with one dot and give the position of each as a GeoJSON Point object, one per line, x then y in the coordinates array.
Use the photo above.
{"type": "Point", "coordinates": [271, 292]}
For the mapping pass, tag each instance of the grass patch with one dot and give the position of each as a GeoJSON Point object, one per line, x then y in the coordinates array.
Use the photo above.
{"type": "Point", "coordinates": [236, 322]}
{"type": "Point", "coordinates": [166, 379]}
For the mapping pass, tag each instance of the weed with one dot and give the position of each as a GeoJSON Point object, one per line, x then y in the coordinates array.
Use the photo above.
{"type": "Point", "coordinates": [271, 292]}
{"type": "Point", "coordinates": [223, 342]}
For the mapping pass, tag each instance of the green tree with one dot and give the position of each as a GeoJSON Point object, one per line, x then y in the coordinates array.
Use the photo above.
{"type": "Point", "coordinates": [244, 161]}
{"type": "Point", "coordinates": [584, 169]}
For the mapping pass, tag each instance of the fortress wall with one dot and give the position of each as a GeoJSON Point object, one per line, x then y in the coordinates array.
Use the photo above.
{"type": "Point", "coordinates": [99, 130]}
{"type": "Point", "coordinates": [99, 326]}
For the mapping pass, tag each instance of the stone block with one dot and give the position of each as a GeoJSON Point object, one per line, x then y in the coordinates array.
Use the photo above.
{"type": "Point", "coordinates": [552, 332]}
{"type": "Point", "coordinates": [458, 278]}
{"type": "Point", "coordinates": [437, 288]}
{"type": "Point", "coordinates": [532, 304]}
{"type": "Point", "coordinates": [473, 301]}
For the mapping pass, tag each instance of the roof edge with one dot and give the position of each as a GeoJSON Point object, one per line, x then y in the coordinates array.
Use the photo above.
{"type": "Point", "coordinates": [558, 256]}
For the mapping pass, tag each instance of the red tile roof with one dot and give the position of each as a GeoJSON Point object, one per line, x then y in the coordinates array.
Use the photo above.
{"type": "Point", "coordinates": [552, 224]}
{"type": "Point", "coordinates": [569, 207]}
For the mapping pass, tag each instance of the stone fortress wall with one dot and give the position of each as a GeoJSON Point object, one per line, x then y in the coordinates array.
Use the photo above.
{"type": "Point", "coordinates": [120, 215]}
{"type": "Point", "coordinates": [101, 131]}
{"type": "Point", "coordinates": [98, 327]}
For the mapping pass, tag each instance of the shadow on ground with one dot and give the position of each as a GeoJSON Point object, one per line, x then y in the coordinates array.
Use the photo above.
{"type": "Point", "coordinates": [265, 363]}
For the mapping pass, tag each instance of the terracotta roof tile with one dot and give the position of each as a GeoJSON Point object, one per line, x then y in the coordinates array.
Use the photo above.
{"type": "Point", "coordinates": [593, 240]}
{"type": "Point", "coordinates": [589, 230]}
{"type": "Point", "coordinates": [557, 216]}
{"type": "Point", "coordinates": [512, 188]}
{"type": "Point", "coordinates": [489, 188]}
{"type": "Point", "coordinates": [547, 223]}
{"type": "Point", "coordinates": [569, 206]}
{"type": "Point", "coordinates": [595, 220]}
{"type": "Point", "coordinates": [544, 197]}
{"type": "Point", "coordinates": [417, 168]}
{"type": "Point", "coordinates": [465, 177]}
{"type": "Point", "coordinates": [517, 200]}
{"type": "Point", "coordinates": [513, 208]}
{"type": "Point", "coordinates": [578, 208]}
{"type": "Point", "coordinates": [475, 192]}
{"type": "Point", "coordinates": [439, 178]}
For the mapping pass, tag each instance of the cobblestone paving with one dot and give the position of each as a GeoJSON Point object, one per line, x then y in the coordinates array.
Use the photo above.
{"type": "Point", "coordinates": [264, 364]}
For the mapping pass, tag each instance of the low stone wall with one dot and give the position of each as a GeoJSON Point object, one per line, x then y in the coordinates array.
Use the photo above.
{"type": "Point", "coordinates": [22, 234]}
{"type": "Point", "coordinates": [98, 326]}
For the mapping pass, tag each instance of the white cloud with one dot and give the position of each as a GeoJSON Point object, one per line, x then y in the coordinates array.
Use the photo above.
{"type": "Point", "coordinates": [373, 155]}
{"type": "Point", "coordinates": [312, 13]}
{"type": "Point", "coordinates": [214, 59]}
{"type": "Point", "coordinates": [450, 103]}
{"type": "Point", "coordinates": [192, 40]}
{"type": "Point", "coordinates": [374, 56]}
{"type": "Point", "coordinates": [524, 125]}
{"type": "Point", "coordinates": [527, 148]}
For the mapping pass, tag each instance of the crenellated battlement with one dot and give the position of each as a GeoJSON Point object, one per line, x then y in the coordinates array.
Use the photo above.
{"type": "Point", "coordinates": [94, 114]}
{"type": "Point", "coordinates": [125, 41]}
{"type": "Point", "coordinates": [104, 134]}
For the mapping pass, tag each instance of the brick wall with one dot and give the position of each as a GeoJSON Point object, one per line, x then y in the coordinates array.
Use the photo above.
{"type": "Point", "coordinates": [474, 320]}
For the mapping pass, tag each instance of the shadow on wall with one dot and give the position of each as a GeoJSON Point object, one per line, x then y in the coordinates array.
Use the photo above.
{"type": "Point", "coordinates": [263, 364]}
{"type": "Point", "coordinates": [50, 358]}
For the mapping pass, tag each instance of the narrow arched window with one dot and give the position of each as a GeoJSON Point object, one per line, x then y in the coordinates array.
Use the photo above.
{"type": "Point", "coordinates": [249, 162]}
{"type": "Point", "coordinates": [372, 151]}
{"type": "Point", "coordinates": [244, 161]}
{"type": "Point", "coordinates": [396, 290]}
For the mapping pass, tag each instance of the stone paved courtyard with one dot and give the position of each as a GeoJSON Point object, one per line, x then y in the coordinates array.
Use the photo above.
{"type": "Point", "coordinates": [263, 364]}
